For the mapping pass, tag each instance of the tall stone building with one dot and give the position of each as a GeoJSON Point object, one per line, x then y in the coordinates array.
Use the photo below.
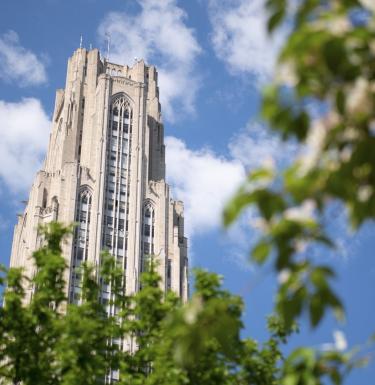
{"type": "Point", "coordinates": [105, 170]}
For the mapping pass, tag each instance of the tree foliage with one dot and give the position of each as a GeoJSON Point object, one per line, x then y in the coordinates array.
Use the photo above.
{"type": "Point", "coordinates": [323, 97]}
{"type": "Point", "coordinates": [151, 338]}
{"type": "Point", "coordinates": [326, 63]}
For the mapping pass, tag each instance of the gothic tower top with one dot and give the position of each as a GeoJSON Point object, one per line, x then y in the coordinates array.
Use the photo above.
{"type": "Point", "coordinates": [105, 171]}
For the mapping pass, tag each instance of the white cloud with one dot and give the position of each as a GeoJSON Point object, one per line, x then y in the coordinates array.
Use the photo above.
{"type": "Point", "coordinates": [24, 129]}
{"type": "Point", "coordinates": [240, 38]}
{"type": "Point", "coordinates": [203, 180]}
{"type": "Point", "coordinates": [17, 64]}
{"type": "Point", "coordinates": [256, 146]}
{"type": "Point", "coordinates": [159, 34]}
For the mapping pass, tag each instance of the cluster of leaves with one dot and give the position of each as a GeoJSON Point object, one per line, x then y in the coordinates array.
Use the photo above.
{"type": "Point", "coordinates": [323, 97]}
{"type": "Point", "coordinates": [43, 340]}
{"type": "Point", "coordinates": [149, 338]}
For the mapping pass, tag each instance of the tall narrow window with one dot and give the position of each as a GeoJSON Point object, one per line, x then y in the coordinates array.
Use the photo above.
{"type": "Point", "coordinates": [116, 197]}
{"type": "Point", "coordinates": [81, 241]}
{"type": "Point", "coordinates": [45, 198]}
{"type": "Point", "coordinates": [169, 274]}
{"type": "Point", "coordinates": [55, 208]}
{"type": "Point", "coordinates": [147, 235]}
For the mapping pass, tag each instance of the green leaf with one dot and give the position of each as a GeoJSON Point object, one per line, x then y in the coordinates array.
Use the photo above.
{"type": "Point", "coordinates": [336, 377]}
{"type": "Point", "coordinates": [275, 20]}
{"type": "Point", "coordinates": [261, 173]}
{"type": "Point", "coordinates": [235, 206]}
{"type": "Point", "coordinates": [290, 379]}
{"type": "Point", "coordinates": [261, 251]}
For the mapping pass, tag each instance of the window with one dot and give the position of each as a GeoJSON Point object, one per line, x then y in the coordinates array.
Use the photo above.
{"type": "Point", "coordinates": [108, 240]}
{"type": "Point", "coordinates": [169, 269]}
{"type": "Point", "coordinates": [147, 230]}
{"type": "Point", "coordinates": [146, 248]}
{"type": "Point", "coordinates": [80, 253]}
{"type": "Point", "coordinates": [81, 237]}
{"type": "Point", "coordinates": [45, 197]}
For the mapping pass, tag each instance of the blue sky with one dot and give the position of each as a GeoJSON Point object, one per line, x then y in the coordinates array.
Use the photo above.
{"type": "Point", "coordinates": [213, 58]}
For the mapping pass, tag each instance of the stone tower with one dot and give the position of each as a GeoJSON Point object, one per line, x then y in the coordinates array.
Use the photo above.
{"type": "Point", "coordinates": [105, 170]}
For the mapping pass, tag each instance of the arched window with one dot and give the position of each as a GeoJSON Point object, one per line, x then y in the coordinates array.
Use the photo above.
{"type": "Point", "coordinates": [81, 241]}
{"type": "Point", "coordinates": [45, 198]}
{"type": "Point", "coordinates": [116, 197]}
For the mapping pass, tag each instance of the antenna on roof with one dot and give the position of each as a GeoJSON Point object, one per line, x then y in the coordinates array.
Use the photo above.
{"type": "Point", "coordinates": [108, 44]}
{"type": "Point", "coordinates": [80, 42]}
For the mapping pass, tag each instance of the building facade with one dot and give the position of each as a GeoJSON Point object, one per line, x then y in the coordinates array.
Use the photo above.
{"type": "Point", "coordinates": [105, 171]}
